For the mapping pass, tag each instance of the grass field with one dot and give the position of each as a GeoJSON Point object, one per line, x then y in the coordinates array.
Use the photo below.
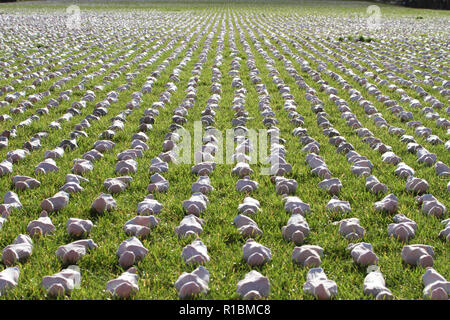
{"type": "Point", "coordinates": [135, 32]}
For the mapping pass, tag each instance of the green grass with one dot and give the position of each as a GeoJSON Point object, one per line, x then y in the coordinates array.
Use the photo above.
{"type": "Point", "coordinates": [163, 264]}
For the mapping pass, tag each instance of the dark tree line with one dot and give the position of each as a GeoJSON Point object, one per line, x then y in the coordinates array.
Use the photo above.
{"type": "Point", "coordinates": [425, 4]}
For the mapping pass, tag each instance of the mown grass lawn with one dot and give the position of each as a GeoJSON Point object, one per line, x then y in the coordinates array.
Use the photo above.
{"type": "Point", "coordinates": [163, 264]}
